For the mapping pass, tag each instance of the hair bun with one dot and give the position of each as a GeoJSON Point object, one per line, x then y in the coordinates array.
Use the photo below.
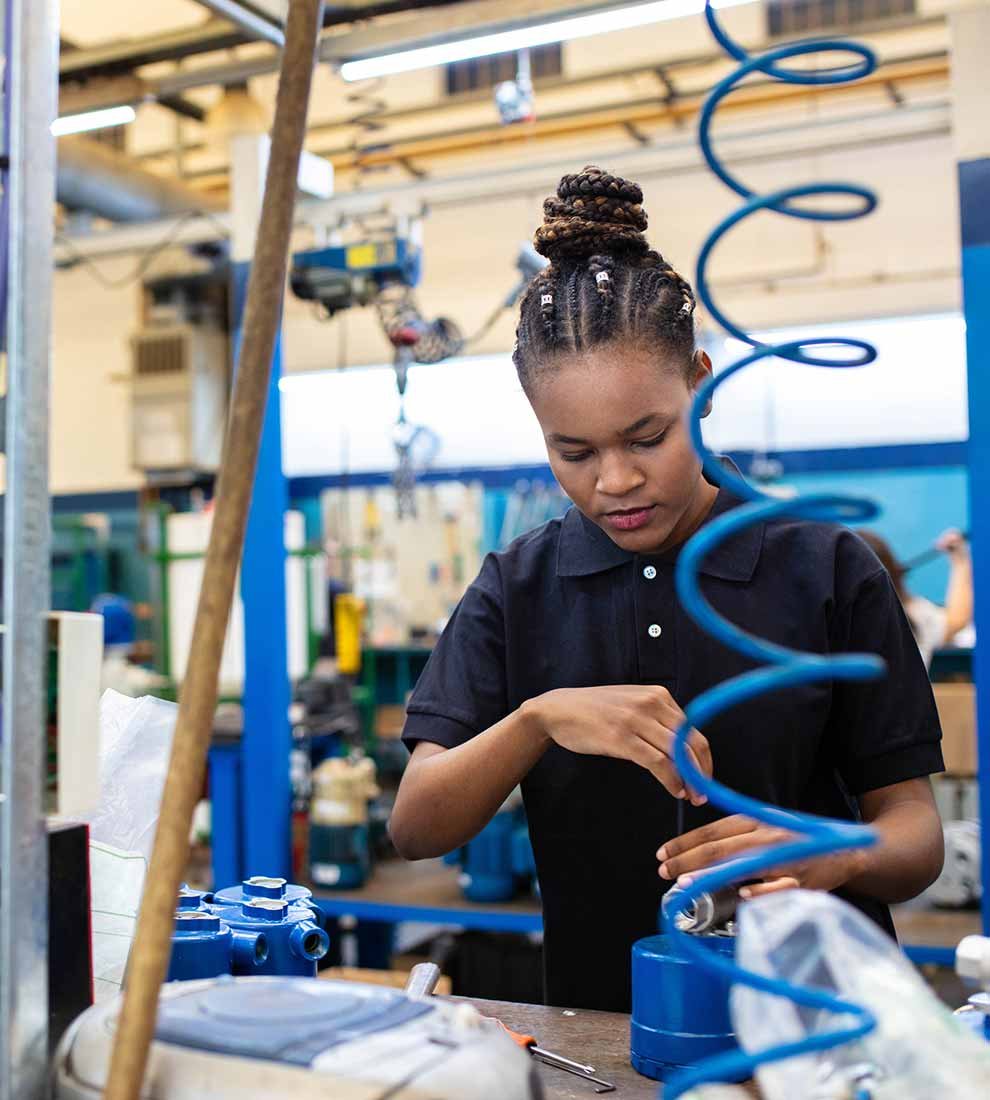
{"type": "Point", "coordinates": [593, 214]}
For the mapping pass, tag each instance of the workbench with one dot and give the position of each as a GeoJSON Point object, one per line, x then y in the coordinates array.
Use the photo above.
{"type": "Point", "coordinates": [599, 1038]}
{"type": "Point", "coordinates": [427, 891]}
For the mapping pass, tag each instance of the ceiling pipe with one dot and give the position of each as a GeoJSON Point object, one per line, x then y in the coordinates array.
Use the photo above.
{"type": "Point", "coordinates": [245, 19]}
{"type": "Point", "coordinates": [94, 178]}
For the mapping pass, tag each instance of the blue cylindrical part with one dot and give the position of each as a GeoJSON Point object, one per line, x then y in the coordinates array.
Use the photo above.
{"type": "Point", "coordinates": [201, 946]}
{"type": "Point", "coordinates": [680, 1012]}
{"type": "Point", "coordinates": [487, 861]}
{"type": "Point", "coordinates": [295, 941]}
{"type": "Point", "coordinates": [264, 886]}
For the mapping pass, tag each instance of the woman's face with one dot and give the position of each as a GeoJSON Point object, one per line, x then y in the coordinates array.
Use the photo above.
{"type": "Point", "coordinates": [615, 425]}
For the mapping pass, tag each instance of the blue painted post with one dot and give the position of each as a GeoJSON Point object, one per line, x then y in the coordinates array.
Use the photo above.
{"type": "Point", "coordinates": [266, 793]}
{"type": "Point", "coordinates": [971, 87]}
{"type": "Point", "coordinates": [225, 823]}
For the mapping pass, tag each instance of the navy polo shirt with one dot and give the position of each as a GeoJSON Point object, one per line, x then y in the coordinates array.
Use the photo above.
{"type": "Point", "coordinates": [565, 606]}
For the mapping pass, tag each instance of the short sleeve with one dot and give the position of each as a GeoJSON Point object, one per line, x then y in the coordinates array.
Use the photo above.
{"type": "Point", "coordinates": [928, 624]}
{"type": "Point", "coordinates": [462, 690]}
{"type": "Point", "coordinates": [885, 731]}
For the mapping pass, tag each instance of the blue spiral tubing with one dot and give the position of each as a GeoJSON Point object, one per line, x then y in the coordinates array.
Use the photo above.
{"type": "Point", "coordinates": [815, 836]}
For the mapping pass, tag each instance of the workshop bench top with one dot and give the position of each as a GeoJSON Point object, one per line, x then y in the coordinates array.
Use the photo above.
{"type": "Point", "coordinates": [600, 1039]}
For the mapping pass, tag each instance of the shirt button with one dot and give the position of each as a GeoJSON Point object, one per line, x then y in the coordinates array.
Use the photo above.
{"type": "Point", "coordinates": [649, 572]}
{"type": "Point", "coordinates": [654, 630]}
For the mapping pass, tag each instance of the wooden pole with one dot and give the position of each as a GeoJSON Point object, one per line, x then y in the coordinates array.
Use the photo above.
{"type": "Point", "coordinates": [153, 940]}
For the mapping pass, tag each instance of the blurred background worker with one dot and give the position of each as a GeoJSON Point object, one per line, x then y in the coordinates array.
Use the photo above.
{"type": "Point", "coordinates": [934, 625]}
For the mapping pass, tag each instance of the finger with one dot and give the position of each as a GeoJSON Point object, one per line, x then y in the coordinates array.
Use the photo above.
{"type": "Point", "coordinates": [734, 825]}
{"type": "Point", "coordinates": [664, 739]}
{"type": "Point", "coordinates": [717, 852]}
{"type": "Point", "coordinates": [671, 717]}
{"type": "Point", "coordinates": [702, 750]}
{"type": "Point", "coordinates": [665, 710]}
{"type": "Point", "coordinates": [661, 767]}
{"type": "Point", "coordinates": [774, 886]}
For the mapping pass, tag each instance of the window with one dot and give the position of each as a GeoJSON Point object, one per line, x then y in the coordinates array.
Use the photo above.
{"type": "Point", "coordinates": [486, 72]}
{"type": "Point", "coordinates": [785, 17]}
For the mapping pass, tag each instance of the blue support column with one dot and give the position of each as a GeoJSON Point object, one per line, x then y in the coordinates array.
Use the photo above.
{"type": "Point", "coordinates": [266, 794]}
{"type": "Point", "coordinates": [225, 804]}
{"type": "Point", "coordinates": [974, 206]}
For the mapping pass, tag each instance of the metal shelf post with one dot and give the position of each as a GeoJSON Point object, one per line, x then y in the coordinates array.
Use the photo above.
{"type": "Point", "coordinates": [31, 48]}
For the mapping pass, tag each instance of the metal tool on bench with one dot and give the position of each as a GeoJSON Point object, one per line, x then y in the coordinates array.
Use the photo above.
{"type": "Point", "coordinates": [587, 1073]}
{"type": "Point", "coordinates": [422, 982]}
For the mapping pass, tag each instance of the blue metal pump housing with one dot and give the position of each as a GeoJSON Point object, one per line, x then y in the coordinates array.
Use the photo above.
{"type": "Point", "coordinates": [339, 855]}
{"type": "Point", "coordinates": [263, 926]}
{"type": "Point", "coordinates": [680, 1014]}
{"type": "Point", "coordinates": [204, 947]}
{"type": "Point", "coordinates": [497, 860]}
{"type": "Point", "coordinates": [295, 941]}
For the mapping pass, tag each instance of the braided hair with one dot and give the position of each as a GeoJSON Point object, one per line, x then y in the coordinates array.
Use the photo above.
{"type": "Point", "coordinates": [604, 281]}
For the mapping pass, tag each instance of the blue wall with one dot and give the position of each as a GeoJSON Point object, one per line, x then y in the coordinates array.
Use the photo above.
{"type": "Point", "coordinates": [918, 505]}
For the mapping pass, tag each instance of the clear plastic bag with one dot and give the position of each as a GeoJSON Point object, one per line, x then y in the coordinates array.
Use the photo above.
{"type": "Point", "coordinates": [918, 1051]}
{"type": "Point", "coordinates": [135, 741]}
{"type": "Point", "coordinates": [116, 883]}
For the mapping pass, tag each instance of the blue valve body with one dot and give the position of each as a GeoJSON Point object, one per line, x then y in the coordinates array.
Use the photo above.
{"type": "Point", "coordinates": [295, 941]}
{"type": "Point", "coordinates": [263, 926]}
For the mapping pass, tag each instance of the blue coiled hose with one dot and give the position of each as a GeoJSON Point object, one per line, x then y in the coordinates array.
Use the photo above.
{"type": "Point", "coordinates": [783, 668]}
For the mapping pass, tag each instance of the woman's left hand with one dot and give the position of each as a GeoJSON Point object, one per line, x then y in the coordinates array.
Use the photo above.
{"type": "Point", "coordinates": [733, 837]}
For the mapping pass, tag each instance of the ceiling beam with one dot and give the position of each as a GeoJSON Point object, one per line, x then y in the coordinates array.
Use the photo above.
{"type": "Point", "coordinates": [76, 96]}
{"type": "Point", "coordinates": [252, 24]}
{"type": "Point", "coordinates": [113, 58]}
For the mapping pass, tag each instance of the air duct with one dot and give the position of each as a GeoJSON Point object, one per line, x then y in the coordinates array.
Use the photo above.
{"type": "Point", "coordinates": [94, 178]}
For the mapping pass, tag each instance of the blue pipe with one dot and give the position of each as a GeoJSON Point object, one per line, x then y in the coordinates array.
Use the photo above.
{"type": "Point", "coordinates": [783, 667]}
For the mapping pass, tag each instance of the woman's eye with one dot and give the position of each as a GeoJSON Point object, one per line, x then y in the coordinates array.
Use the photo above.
{"type": "Point", "coordinates": [576, 456]}
{"type": "Point", "coordinates": [655, 441]}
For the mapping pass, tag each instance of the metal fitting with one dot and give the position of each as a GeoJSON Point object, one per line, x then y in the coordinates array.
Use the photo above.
{"type": "Point", "coordinates": [309, 941]}
{"type": "Point", "coordinates": [249, 949]}
{"type": "Point", "coordinates": [707, 914]}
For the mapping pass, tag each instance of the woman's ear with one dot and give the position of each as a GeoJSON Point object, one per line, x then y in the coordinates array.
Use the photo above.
{"type": "Point", "coordinates": [701, 371]}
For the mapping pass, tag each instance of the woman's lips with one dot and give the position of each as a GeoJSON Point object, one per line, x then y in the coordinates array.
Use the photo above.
{"type": "Point", "coordinates": [630, 519]}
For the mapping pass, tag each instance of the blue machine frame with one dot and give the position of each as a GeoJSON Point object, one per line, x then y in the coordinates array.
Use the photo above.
{"type": "Point", "coordinates": [974, 210]}
{"type": "Point", "coordinates": [264, 819]}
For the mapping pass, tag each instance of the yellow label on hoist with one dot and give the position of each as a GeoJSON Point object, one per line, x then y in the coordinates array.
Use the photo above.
{"type": "Point", "coordinates": [362, 255]}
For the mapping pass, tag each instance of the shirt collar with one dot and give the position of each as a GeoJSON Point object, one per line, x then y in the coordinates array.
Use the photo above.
{"type": "Point", "coordinates": [584, 548]}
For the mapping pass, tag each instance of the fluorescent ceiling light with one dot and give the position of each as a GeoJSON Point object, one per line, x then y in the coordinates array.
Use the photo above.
{"type": "Point", "coordinates": [540, 34]}
{"type": "Point", "coordinates": [93, 120]}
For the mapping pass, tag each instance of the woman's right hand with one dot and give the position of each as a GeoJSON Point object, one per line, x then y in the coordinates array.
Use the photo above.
{"type": "Point", "coordinates": [626, 721]}
{"type": "Point", "coordinates": [953, 543]}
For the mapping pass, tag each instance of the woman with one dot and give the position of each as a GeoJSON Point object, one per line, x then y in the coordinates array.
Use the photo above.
{"type": "Point", "coordinates": [933, 626]}
{"type": "Point", "coordinates": [567, 663]}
